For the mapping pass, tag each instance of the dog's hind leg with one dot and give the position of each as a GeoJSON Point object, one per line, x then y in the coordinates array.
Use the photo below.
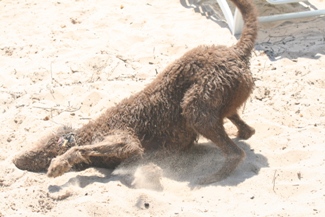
{"type": "Point", "coordinates": [244, 130]}
{"type": "Point", "coordinates": [233, 154]}
{"type": "Point", "coordinates": [121, 145]}
{"type": "Point", "coordinates": [203, 114]}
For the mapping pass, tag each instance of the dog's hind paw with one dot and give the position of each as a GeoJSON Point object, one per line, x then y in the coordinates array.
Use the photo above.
{"type": "Point", "coordinates": [246, 133]}
{"type": "Point", "coordinates": [211, 179]}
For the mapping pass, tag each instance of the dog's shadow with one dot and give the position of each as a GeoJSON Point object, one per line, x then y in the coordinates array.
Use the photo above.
{"type": "Point", "coordinates": [205, 159]}
{"type": "Point", "coordinates": [188, 166]}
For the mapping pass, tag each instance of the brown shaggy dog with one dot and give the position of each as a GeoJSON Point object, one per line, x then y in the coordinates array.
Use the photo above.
{"type": "Point", "coordinates": [191, 97]}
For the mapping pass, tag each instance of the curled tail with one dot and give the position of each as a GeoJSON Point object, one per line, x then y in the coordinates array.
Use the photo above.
{"type": "Point", "coordinates": [246, 42]}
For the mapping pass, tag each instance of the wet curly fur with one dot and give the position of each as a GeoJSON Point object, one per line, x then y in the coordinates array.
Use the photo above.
{"type": "Point", "coordinates": [191, 97]}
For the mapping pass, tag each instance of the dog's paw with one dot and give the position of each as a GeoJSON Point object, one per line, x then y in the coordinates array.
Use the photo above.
{"type": "Point", "coordinates": [210, 179]}
{"type": "Point", "coordinates": [246, 133]}
{"type": "Point", "coordinates": [58, 167]}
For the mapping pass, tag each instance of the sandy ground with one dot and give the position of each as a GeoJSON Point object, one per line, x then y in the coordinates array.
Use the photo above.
{"type": "Point", "coordinates": [64, 62]}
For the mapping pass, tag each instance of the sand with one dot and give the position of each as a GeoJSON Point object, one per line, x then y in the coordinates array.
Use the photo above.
{"type": "Point", "coordinates": [63, 63]}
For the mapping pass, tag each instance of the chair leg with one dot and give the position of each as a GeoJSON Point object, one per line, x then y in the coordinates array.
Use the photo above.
{"type": "Point", "coordinates": [288, 16]}
{"type": "Point", "coordinates": [227, 13]}
{"type": "Point", "coordinates": [238, 22]}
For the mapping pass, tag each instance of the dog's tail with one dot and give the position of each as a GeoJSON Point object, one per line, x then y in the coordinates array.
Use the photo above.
{"type": "Point", "coordinates": [246, 42]}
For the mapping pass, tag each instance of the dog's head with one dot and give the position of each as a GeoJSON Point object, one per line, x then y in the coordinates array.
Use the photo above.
{"type": "Point", "coordinates": [38, 157]}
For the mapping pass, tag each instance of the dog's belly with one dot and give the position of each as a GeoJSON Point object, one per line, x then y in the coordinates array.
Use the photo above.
{"type": "Point", "coordinates": [173, 139]}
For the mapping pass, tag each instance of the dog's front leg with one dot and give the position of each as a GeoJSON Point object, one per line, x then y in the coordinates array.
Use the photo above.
{"type": "Point", "coordinates": [121, 145]}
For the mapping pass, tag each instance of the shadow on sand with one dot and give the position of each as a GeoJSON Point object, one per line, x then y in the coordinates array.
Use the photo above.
{"type": "Point", "coordinates": [189, 166]}
{"type": "Point", "coordinates": [290, 39]}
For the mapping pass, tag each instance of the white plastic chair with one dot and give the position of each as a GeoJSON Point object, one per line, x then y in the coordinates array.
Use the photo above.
{"type": "Point", "coordinates": [235, 22]}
